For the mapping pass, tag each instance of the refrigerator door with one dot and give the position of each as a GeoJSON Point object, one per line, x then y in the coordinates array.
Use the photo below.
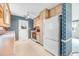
{"type": "Point", "coordinates": [52, 46]}
{"type": "Point", "coordinates": [51, 34]}
{"type": "Point", "coordinates": [51, 28]}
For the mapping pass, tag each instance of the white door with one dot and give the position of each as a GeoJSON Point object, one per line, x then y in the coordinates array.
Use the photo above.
{"type": "Point", "coordinates": [23, 30]}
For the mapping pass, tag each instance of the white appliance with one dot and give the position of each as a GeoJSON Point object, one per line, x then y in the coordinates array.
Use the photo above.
{"type": "Point", "coordinates": [51, 32]}
{"type": "Point", "coordinates": [23, 30]}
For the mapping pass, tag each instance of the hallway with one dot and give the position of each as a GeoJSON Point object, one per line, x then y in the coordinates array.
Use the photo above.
{"type": "Point", "coordinates": [29, 48]}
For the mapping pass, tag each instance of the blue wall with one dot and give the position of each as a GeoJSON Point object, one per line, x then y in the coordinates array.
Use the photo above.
{"type": "Point", "coordinates": [14, 24]}
{"type": "Point", "coordinates": [66, 30]}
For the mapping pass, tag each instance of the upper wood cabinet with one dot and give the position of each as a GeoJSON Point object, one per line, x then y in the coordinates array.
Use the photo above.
{"type": "Point", "coordinates": [1, 12]}
{"type": "Point", "coordinates": [56, 10]}
{"type": "Point", "coordinates": [5, 15]}
{"type": "Point", "coordinates": [45, 14]}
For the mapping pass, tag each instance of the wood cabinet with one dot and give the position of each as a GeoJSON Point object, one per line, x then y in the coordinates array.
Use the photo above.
{"type": "Point", "coordinates": [45, 15]}
{"type": "Point", "coordinates": [1, 12]}
{"type": "Point", "coordinates": [5, 15]}
{"type": "Point", "coordinates": [38, 22]}
{"type": "Point", "coordinates": [56, 10]}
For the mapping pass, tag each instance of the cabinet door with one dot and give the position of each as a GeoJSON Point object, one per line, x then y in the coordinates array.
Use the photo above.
{"type": "Point", "coordinates": [6, 14]}
{"type": "Point", "coordinates": [1, 12]}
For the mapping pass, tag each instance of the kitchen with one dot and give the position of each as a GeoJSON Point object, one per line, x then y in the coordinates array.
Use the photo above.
{"type": "Point", "coordinates": [45, 26]}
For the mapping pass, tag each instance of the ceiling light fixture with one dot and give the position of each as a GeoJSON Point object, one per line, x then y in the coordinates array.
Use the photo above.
{"type": "Point", "coordinates": [28, 15]}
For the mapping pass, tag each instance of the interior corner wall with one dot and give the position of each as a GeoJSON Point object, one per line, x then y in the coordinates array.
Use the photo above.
{"type": "Point", "coordinates": [14, 25]}
{"type": "Point", "coordinates": [66, 30]}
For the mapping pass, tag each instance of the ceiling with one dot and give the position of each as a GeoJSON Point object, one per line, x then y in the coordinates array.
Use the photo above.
{"type": "Point", "coordinates": [34, 9]}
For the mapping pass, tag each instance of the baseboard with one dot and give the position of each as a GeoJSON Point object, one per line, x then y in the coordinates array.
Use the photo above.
{"type": "Point", "coordinates": [50, 52]}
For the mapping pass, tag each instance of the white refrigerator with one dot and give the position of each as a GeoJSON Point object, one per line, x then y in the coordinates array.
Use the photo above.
{"type": "Point", "coordinates": [51, 35]}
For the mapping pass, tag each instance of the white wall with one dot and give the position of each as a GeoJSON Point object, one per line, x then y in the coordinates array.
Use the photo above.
{"type": "Point", "coordinates": [75, 16]}
{"type": "Point", "coordinates": [76, 33]}
{"type": "Point", "coordinates": [75, 11]}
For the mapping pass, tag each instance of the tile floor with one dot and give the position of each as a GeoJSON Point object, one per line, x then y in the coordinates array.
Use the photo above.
{"type": "Point", "coordinates": [29, 48]}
